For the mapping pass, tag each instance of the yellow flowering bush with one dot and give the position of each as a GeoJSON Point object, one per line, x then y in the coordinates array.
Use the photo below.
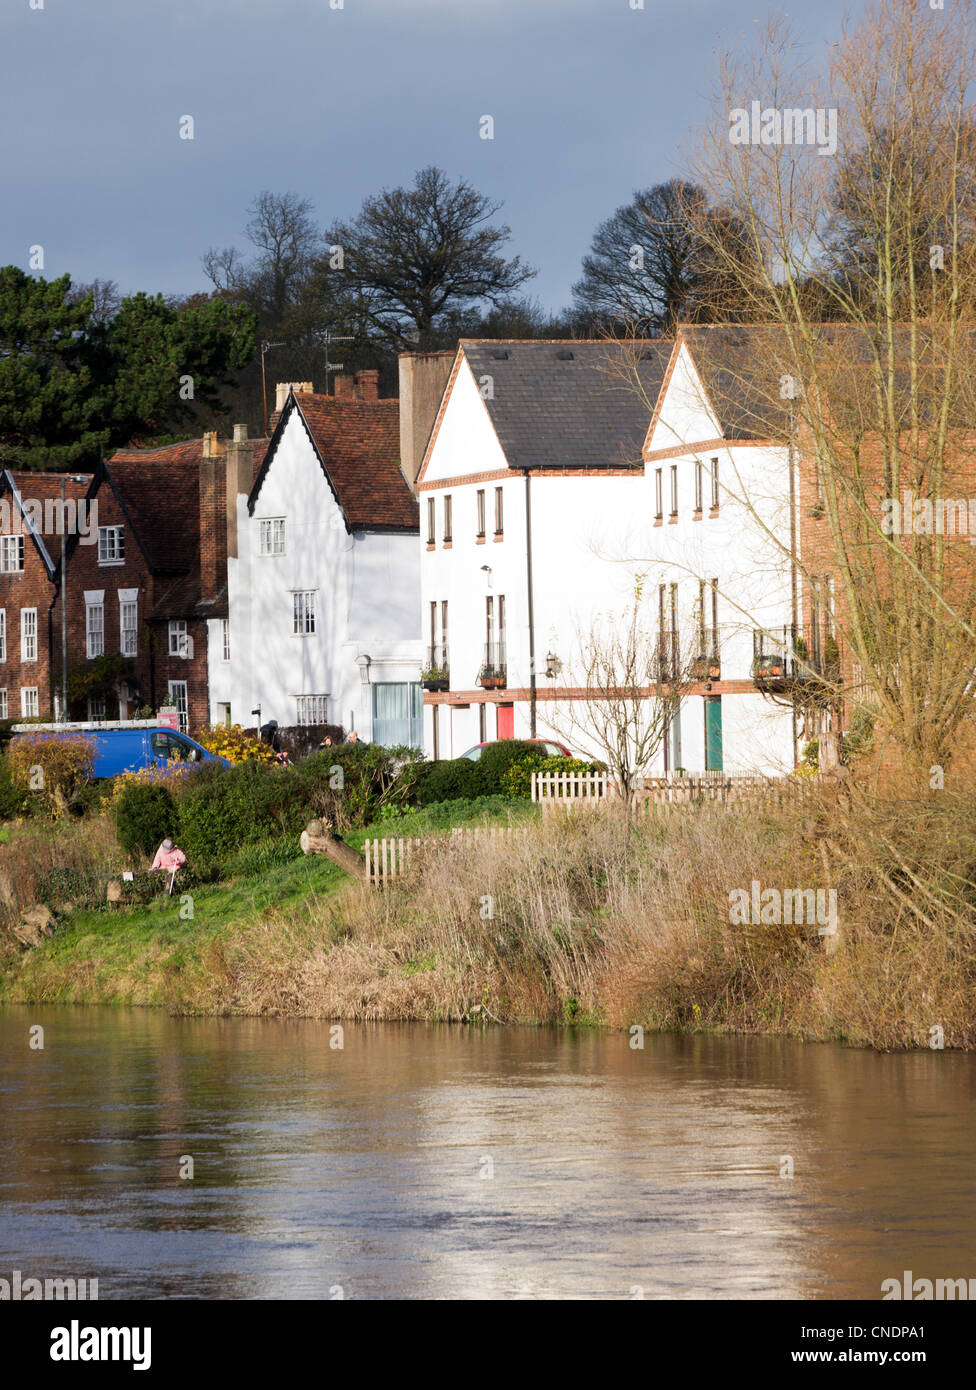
{"type": "Point", "coordinates": [230, 741]}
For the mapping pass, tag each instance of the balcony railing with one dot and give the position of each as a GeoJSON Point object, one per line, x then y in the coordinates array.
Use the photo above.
{"type": "Point", "coordinates": [706, 661]}
{"type": "Point", "coordinates": [796, 659]}
{"type": "Point", "coordinates": [436, 674]}
{"type": "Point", "coordinates": [667, 657]}
{"type": "Point", "coordinates": [494, 669]}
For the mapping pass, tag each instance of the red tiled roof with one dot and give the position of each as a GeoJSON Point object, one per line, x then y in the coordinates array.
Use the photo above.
{"type": "Point", "coordinates": [359, 443]}
{"type": "Point", "coordinates": [160, 490]}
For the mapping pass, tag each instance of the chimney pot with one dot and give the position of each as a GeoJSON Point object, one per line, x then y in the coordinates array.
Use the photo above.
{"type": "Point", "coordinates": [240, 434]}
{"type": "Point", "coordinates": [368, 382]}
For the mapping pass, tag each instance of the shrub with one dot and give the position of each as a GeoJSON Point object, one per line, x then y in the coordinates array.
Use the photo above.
{"type": "Point", "coordinates": [51, 769]}
{"type": "Point", "coordinates": [13, 799]}
{"type": "Point", "coordinates": [235, 744]}
{"type": "Point", "coordinates": [449, 780]}
{"type": "Point", "coordinates": [497, 758]}
{"type": "Point", "coordinates": [145, 814]}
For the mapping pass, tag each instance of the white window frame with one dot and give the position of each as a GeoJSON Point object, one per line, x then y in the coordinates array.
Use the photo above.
{"type": "Point", "coordinates": [28, 634]}
{"type": "Point", "coordinates": [4, 708]}
{"type": "Point", "coordinates": [714, 483]}
{"type": "Point", "coordinates": [111, 545]}
{"type": "Point", "coordinates": [674, 489]}
{"type": "Point", "coordinates": [177, 644]}
{"type": "Point", "coordinates": [96, 707]}
{"type": "Point", "coordinates": [129, 599]}
{"type": "Point", "coordinates": [3, 636]}
{"type": "Point", "coordinates": [29, 705]}
{"type": "Point", "coordinates": [303, 612]}
{"type": "Point", "coordinates": [271, 535]}
{"type": "Point", "coordinates": [11, 554]}
{"type": "Point", "coordinates": [225, 639]}
{"type": "Point", "coordinates": [94, 625]}
{"type": "Point", "coordinates": [658, 494]}
{"type": "Point", "coordinates": [308, 707]}
{"type": "Point", "coordinates": [179, 696]}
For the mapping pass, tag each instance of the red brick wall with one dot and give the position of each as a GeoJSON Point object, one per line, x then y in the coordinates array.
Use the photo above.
{"type": "Point", "coordinates": [30, 588]}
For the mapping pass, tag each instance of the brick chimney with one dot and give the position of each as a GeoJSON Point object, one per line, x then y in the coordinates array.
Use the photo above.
{"type": "Point", "coordinates": [344, 387]}
{"type": "Point", "coordinates": [239, 479]}
{"type": "Point", "coordinates": [213, 506]}
{"type": "Point", "coordinates": [368, 383]}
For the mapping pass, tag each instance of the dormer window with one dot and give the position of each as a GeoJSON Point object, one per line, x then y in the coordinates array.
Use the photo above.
{"type": "Point", "coordinates": [111, 545]}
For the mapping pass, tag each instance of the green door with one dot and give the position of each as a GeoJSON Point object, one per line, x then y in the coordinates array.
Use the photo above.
{"type": "Point", "coordinates": [713, 733]}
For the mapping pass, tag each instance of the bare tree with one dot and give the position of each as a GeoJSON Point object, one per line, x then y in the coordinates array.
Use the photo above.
{"type": "Point", "coordinates": [630, 680]}
{"type": "Point", "coordinates": [855, 193]}
{"type": "Point", "coordinates": [415, 255]}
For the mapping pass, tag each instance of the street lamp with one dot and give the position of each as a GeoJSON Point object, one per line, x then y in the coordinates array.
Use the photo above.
{"type": "Point", "coordinates": [65, 479]}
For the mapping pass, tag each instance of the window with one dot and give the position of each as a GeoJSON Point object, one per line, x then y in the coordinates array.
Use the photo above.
{"type": "Point", "coordinates": [28, 634]}
{"type": "Point", "coordinates": [448, 509]}
{"type": "Point", "coordinates": [111, 545]}
{"type": "Point", "coordinates": [29, 707]}
{"type": "Point", "coordinates": [398, 714]}
{"type": "Point", "coordinates": [178, 642]}
{"type": "Point", "coordinates": [11, 554]}
{"type": "Point", "coordinates": [674, 489]}
{"type": "Point", "coordinates": [431, 520]}
{"type": "Point", "coordinates": [658, 493]}
{"type": "Point", "coordinates": [96, 707]}
{"type": "Point", "coordinates": [177, 697]}
{"type": "Point", "coordinates": [480, 505]}
{"type": "Point", "coordinates": [94, 629]}
{"type": "Point", "coordinates": [223, 714]}
{"type": "Point", "coordinates": [499, 512]}
{"type": "Point", "coordinates": [3, 704]}
{"type": "Point", "coordinates": [225, 638]}
{"type": "Point", "coordinates": [3, 634]}
{"type": "Point", "coordinates": [482, 723]}
{"type": "Point", "coordinates": [303, 605]}
{"type": "Point", "coordinates": [699, 484]}
{"type": "Point", "coordinates": [128, 626]}
{"type": "Point", "coordinates": [714, 483]}
{"type": "Point", "coordinates": [313, 709]}
{"type": "Point", "coordinates": [272, 535]}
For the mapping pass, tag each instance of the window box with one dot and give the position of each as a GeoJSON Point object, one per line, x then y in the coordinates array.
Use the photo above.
{"type": "Point", "coordinates": [435, 679]}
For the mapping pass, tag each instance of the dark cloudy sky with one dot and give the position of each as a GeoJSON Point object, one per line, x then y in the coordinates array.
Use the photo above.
{"type": "Point", "coordinates": [590, 98]}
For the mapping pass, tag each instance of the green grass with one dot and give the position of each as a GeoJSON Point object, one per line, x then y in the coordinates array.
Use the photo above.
{"type": "Point", "coordinates": [142, 954]}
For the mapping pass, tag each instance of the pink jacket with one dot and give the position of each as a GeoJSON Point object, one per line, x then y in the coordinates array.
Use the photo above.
{"type": "Point", "coordinates": [169, 859]}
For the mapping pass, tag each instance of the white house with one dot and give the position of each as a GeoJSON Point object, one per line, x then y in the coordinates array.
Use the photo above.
{"type": "Point", "coordinates": [563, 478]}
{"type": "Point", "coordinates": [322, 592]}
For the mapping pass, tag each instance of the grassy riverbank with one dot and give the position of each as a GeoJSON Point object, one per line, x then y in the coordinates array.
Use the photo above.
{"type": "Point", "coordinates": [581, 919]}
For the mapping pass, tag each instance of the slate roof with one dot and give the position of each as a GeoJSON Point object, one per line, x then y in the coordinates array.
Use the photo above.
{"type": "Point", "coordinates": [570, 404]}
{"type": "Point", "coordinates": [358, 445]}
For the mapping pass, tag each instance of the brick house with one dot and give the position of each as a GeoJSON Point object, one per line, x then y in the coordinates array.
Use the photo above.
{"type": "Point", "coordinates": [144, 600]}
{"type": "Point", "coordinates": [31, 526]}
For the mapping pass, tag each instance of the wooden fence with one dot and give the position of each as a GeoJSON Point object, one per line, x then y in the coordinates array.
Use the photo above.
{"type": "Point", "coordinates": [392, 857]}
{"type": "Point", "coordinates": [655, 795]}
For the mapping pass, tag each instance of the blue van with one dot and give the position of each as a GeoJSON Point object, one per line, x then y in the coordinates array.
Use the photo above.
{"type": "Point", "coordinates": [129, 748]}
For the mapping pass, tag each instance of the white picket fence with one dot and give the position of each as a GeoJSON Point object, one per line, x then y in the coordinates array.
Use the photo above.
{"type": "Point", "coordinates": [653, 795]}
{"type": "Point", "coordinates": [391, 857]}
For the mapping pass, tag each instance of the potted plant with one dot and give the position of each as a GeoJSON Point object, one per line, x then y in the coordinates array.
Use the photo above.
{"type": "Point", "coordinates": [435, 678]}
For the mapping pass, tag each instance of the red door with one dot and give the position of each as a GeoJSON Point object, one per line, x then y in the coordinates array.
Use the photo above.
{"type": "Point", "coordinates": [506, 721]}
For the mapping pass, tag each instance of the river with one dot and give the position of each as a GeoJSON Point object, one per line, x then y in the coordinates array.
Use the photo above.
{"type": "Point", "coordinates": [426, 1161]}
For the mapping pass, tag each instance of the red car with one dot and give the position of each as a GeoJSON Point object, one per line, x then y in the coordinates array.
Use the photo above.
{"type": "Point", "coordinates": [551, 750]}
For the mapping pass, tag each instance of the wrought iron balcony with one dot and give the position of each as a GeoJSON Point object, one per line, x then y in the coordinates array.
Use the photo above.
{"type": "Point", "coordinates": [494, 669]}
{"type": "Point", "coordinates": [436, 674]}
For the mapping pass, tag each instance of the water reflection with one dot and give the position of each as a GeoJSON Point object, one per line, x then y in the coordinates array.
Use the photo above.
{"type": "Point", "coordinates": [441, 1162]}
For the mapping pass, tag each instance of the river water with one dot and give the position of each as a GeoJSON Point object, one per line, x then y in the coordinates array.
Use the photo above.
{"type": "Point", "coordinates": [444, 1162]}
